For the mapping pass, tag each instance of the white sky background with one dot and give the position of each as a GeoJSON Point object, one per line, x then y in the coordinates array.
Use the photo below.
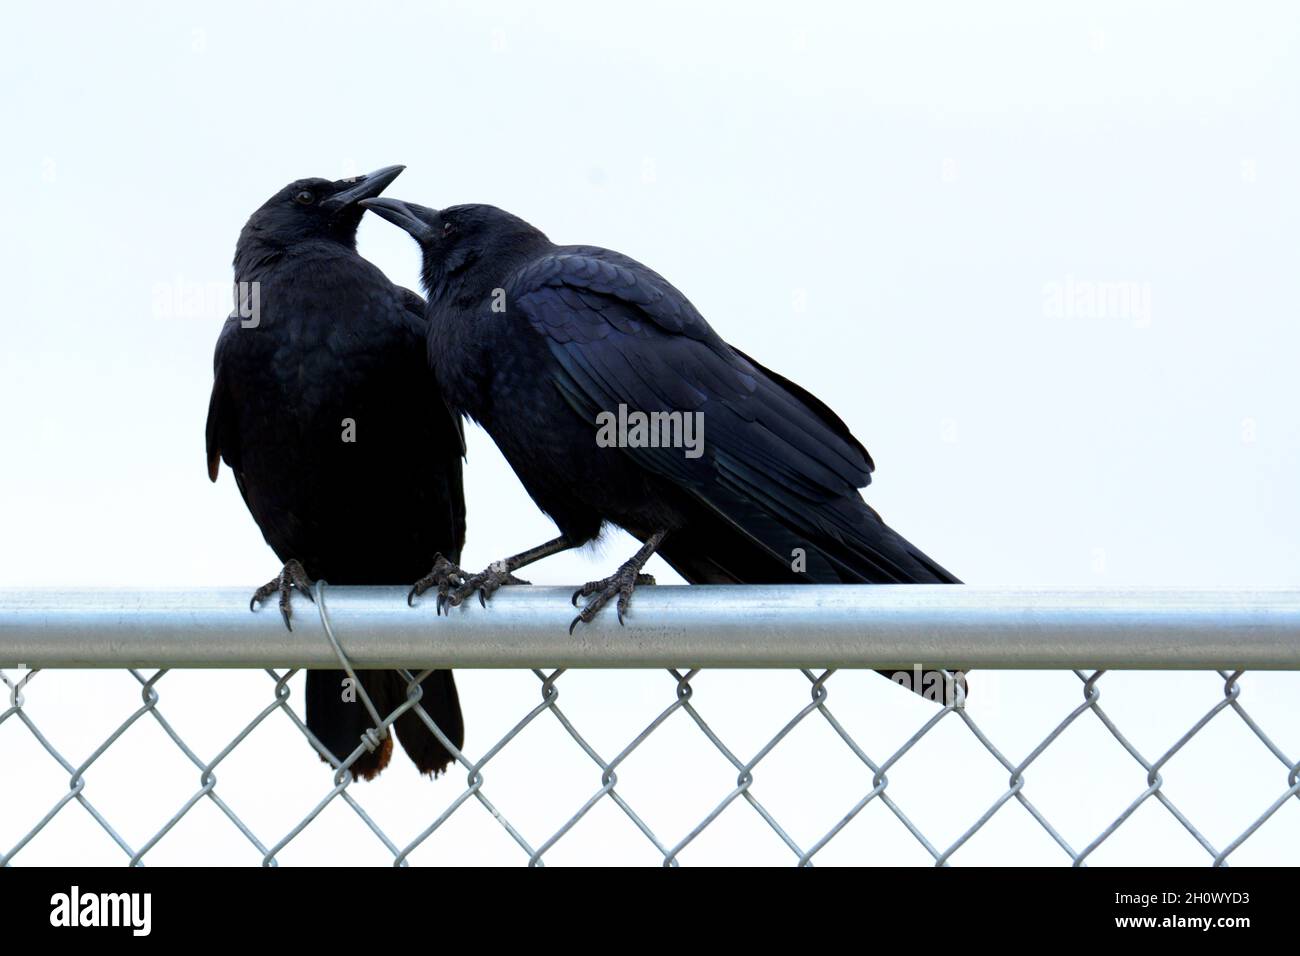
{"type": "Point", "coordinates": [874, 200]}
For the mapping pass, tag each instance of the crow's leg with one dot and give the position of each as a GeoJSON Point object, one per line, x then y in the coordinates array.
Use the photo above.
{"type": "Point", "coordinates": [621, 583]}
{"type": "Point", "coordinates": [498, 573]}
{"type": "Point", "coordinates": [290, 577]}
{"type": "Point", "coordinates": [455, 585]}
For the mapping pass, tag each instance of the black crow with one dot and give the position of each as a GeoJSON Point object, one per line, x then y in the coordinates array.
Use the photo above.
{"type": "Point", "coordinates": [614, 401]}
{"type": "Point", "coordinates": [327, 413]}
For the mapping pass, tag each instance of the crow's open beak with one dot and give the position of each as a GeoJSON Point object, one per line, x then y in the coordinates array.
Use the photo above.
{"type": "Point", "coordinates": [404, 216]}
{"type": "Point", "coordinates": [361, 187]}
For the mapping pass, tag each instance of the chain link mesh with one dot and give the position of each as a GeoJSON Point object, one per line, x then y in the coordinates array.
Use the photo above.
{"type": "Point", "coordinates": [533, 848]}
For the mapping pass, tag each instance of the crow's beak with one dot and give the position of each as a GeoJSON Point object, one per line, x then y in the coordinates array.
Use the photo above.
{"type": "Point", "coordinates": [361, 187]}
{"type": "Point", "coordinates": [402, 216]}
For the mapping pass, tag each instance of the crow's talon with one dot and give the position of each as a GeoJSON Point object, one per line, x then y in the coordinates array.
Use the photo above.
{"type": "Point", "coordinates": [291, 576]}
{"type": "Point", "coordinates": [620, 584]}
{"type": "Point", "coordinates": [444, 576]}
{"type": "Point", "coordinates": [455, 585]}
{"type": "Point", "coordinates": [485, 583]}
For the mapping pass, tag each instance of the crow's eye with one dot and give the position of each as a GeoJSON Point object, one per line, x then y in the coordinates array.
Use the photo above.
{"type": "Point", "coordinates": [448, 228]}
{"type": "Point", "coordinates": [306, 197]}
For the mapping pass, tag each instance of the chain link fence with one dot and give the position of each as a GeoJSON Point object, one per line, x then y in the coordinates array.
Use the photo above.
{"type": "Point", "coordinates": [468, 790]}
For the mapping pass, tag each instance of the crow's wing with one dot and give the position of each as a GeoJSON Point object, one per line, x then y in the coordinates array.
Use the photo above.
{"type": "Point", "coordinates": [772, 453]}
{"type": "Point", "coordinates": [221, 433]}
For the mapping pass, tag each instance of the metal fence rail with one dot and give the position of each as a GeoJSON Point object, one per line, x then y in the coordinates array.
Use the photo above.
{"type": "Point", "coordinates": [817, 630]}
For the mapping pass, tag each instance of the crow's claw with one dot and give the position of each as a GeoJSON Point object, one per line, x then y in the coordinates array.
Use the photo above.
{"type": "Point", "coordinates": [485, 583]}
{"type": "Point", "coordinates": [620, 584]}
{"type": "Point", "coordinates": [444, 576]}
{"type": "Point", "coordinates": [291, 576]}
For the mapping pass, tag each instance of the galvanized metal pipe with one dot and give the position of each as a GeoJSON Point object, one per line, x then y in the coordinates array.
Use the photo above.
{"type": "Point", "coordinates": [755, 626]}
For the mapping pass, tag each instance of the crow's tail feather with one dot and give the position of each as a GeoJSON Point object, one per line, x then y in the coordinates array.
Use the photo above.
{"type": "Point", "coordinates": [442, 704]}
{"type": "Point", "coordinates": [339, 720]}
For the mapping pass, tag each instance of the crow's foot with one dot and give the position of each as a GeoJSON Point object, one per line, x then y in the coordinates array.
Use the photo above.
{"type": "Point", "coordinates": [621, 584]}
{"type": "Point", "coordinates": [445, 576]}
{"type": "Point", "coordinates": [291, 576]}
{"type": "Point", "coordinates": [486, 583]}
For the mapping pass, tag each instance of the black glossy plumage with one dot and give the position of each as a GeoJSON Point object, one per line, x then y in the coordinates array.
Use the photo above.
{"type": "Point", "coordinates": [337, 341]}
{"type": "Point", "coordinates": [534, 340]}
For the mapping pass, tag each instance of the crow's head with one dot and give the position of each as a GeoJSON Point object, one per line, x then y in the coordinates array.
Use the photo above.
{"type": "Point", "coordinates": [314, 209]}
{"type": "Point", "coordinates": [455, 239]}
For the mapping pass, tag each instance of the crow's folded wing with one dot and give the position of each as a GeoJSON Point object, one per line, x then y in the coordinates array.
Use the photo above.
{"type": "Point", "coordinates": [622, 335]}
